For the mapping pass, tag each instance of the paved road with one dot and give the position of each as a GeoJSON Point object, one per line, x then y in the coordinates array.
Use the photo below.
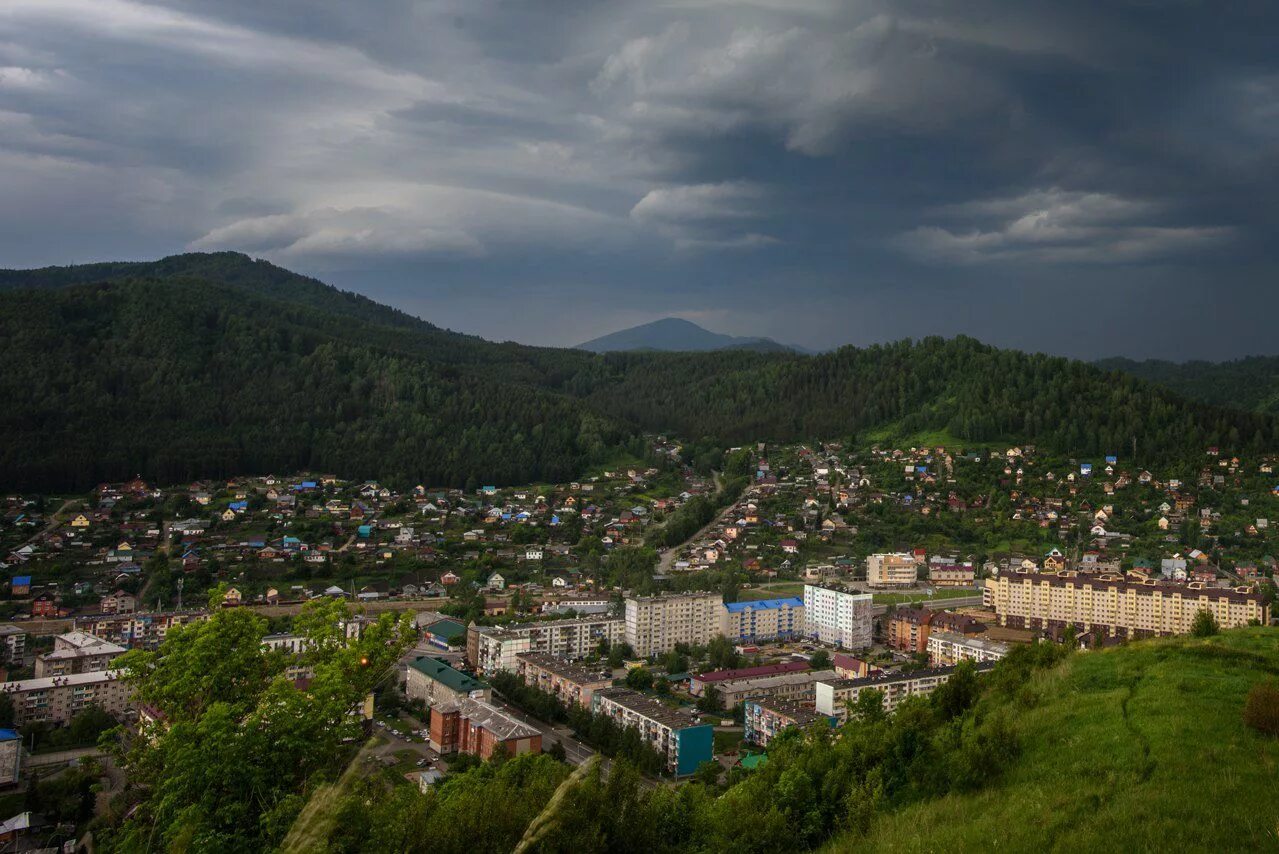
{"type": "Point", "coordinates": [57, 757]}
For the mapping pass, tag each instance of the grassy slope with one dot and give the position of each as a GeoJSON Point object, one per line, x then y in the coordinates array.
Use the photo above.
{"type": "Point", "coordinates": [1133, 749]}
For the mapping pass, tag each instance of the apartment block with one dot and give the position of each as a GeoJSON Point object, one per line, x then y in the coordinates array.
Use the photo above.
{"type": "Point", "coordinates": [490, 649]}
{"type": "Point", "coordinates": [674, 733]}
{"type": "Point", "coordinates": [11, 755]}
{"type": "Point", "coordinates": [946, 648]}
{"type": "Point", "coordinates": [796, 687]}
{"type": "Point", "coordinates": [762, 619]}
{"type": "Point", "coordinates": [572, 684]}
{"type": "Point", "coordinates": [13, 644]}
{"type": "Point", "coordinates": [77, 652]}
{"type": "Point", "coordinates": [837, 618]}
{"type": "Point", "coordinates": [951, 573]}
{"type": "Point", "coordinates": [479, 728]}
{"type": "Point", "coordinates": [137, 630]}
{"type": "Point", "coordinates": [654, 624]}
{"type": "Point", "coordinates": [832, 697]}
{"type": "Point", "coordinates": [1117, 605]}
{"type": "Point", "coordinates": [906, 629]}
{"type": "Point", "coordinates": [765, 718]}
{"type": "Point", "coordinates": [56, 699]}
{"type": "Point", "coordinates": [891, 570]}
{"type": "Point", "coordinates": [434, 681]}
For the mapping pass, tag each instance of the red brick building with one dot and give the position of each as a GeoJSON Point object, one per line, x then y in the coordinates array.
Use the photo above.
{"type": "Point", "coordinates": [476, 727]}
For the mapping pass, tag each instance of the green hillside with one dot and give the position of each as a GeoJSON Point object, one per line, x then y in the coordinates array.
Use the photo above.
{"type": "Point", "coordinates": [214, 365]}
{"type": "Point", "coordinates": [1251, 383]}
{"type": "Point", "coordinates": [1141, 748]}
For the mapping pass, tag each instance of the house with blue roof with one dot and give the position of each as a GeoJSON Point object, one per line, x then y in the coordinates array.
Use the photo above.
{"type": "Point", "coordinates": [20, 585]}
{"type": "Point", "coordinates": [758, 620]}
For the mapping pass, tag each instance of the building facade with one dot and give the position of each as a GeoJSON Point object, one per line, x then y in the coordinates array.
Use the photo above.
{"type": "Point", "coordinates": [674, 733]}
{"type": "Point", "coordinates": [490, 648]}
{"type": "Point", "coordinates": [944, 573]}
{"type": "Point", "coordinates": [654, 624]}
{"type": "Point", "coordinates": [434, 681]}
{"type": "Point", "coordinates": [572, 684]}
{"type": "Point", "coordinates": [13, 644]}
{"type": "Point", "coordinates": [1116, 605]}
{"type": "Point", "coordinates": [77, 652]}
{"type": "Point", "coordinates": [56, 699]}
{"type": "Point", "coordinates": [765, 718]}
{"type": "Point", "coordinates": [762, 619]}
{"type": "Point", "coordinates": [946, 648]}
{"type": "Point", "coordinates": [906, 629]}
{"type": "Point", "coordinates": [795, 687]}
{"type": "Point", "coordinates": [891, 570]}
{"type": "Point", "coordinates": [832, 697]}
{"type": "Point", "coordinates": [479, 728]}
{"type": "Point", "coordinates": [838, 618]}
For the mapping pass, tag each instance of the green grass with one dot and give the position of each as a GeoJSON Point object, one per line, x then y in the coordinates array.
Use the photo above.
{"type": "Point", "coordinates": [904, 598]}
{"type": "Point", "coordinates": [774, 591]}
{"type": "Point", "coordinates": [726, 740]}
{"type": "Point", "coordinates": [1140, 748]}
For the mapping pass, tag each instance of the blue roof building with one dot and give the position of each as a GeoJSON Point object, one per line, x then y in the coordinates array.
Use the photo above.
{"type": "Point", "coordinates": [763, 619]}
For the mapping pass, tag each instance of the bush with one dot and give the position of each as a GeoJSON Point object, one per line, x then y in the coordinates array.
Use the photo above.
{"type": "Point", "coordinates": [1261, 711]}
{"type": "Point", "coordinates": [1205, 624]}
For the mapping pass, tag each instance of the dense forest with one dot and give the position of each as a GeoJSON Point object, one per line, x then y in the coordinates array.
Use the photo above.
{"type": "Point", "coordinates": [213, 365]}
{"type": "Point", "coordinates": [1251, 383]}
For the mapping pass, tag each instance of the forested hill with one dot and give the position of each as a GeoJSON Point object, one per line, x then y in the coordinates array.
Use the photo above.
{"type": "Point", "coordinates": [1251, 383]}
{"type": "Point", "coordinates": [214, 365]}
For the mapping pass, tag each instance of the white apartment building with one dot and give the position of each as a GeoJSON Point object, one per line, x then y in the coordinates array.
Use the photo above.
{"type": "Point", "coordinates": [654, 624]}
{"type": "Point", "coordinates": [891, 570]}
{"type": "Point", "coordinates": [837, 618]}
{"type": "Point", "coordinates": [834, 696]}
{"type": "Point", "coordinates": [490, 649]}
{"type": "Point", "coordinates": [946, 648]}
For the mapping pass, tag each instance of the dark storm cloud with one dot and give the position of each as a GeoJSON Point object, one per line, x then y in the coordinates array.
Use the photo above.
{"type": "Point", "coordinates": [1090, 178]}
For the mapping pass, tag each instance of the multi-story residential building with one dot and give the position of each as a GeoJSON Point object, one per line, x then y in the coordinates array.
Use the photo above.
{"type": "Point", "coordinates": [832, 697]}
{"type": "Point", "coordinates": [675, 733]}
{"type": "Point", "coordinates": [77, 652]}
{"type": "Point", "coordinates": [698, 684]}
{"type": "Point", "coordinates": [797, 687]}
{"type": "Point", "coordinates": [906, 629]}
{"type": "Point", "coordinates": [573, 684]}
{"type": "Point", "coordinates": [11, 754]}
{"type": "Point", "coordinates": [1115, 605]}
{"type": "Point", "coordinates": [490, 648]}
{"type": "Point", "coordinates": [57, 699]}
{"type": "Point", "coordinates": [946, 648]}
{"type": "Point", "coordinates": [434, 681]}
{"type": "Point", "coordinates": [479, 728]}
{"type": "Point", "coordinates": [762, 619]}
{"type": "Point", "coordinates": [951, 573]}
{"type": "Point", "coordinates": [13, 644]}
{"type": "Point", "coordinates": [654, 624]}
{"type": "Point", "coordinates": [765, 718]}
{"type": "Point", "coordinates": [891, 570]}
{"type": "Point", "coordinates": [837, 618]}
{"type": "Point", "coordinates": [136, 630]}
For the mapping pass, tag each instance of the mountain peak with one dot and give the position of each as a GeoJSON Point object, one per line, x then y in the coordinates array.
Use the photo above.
{"type": "Point", "coordinates": [678, 334]}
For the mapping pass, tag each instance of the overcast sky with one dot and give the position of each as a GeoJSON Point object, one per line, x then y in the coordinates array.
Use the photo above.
{"type": "Point", "coordinates": [1086, 178]}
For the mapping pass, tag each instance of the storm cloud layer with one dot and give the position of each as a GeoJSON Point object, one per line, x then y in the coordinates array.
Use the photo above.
{"type": "Point", "coordinates": [1089, 178]}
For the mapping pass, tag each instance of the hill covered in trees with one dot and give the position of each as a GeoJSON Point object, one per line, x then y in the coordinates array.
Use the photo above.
{"type": "Point", "coordinates": [213, 365]}
{"type": "Point", "coordinates": [1251, 383]}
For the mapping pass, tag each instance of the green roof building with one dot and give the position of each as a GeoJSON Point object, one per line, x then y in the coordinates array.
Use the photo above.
{"type": "Point", "coordinates": [434, 680]}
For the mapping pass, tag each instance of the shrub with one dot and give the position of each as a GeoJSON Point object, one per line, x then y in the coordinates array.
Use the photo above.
{"type": "Point", "coordinates": [1205, 624]}
{"type": "Point", "coordinates": [1261, 710]}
